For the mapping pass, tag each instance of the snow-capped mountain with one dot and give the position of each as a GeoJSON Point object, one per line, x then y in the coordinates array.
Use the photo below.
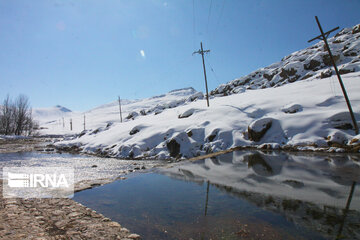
{"type": "Point", "coordinates": [313, 61]}
{"type": "Point", "coordinates": [44, 115]}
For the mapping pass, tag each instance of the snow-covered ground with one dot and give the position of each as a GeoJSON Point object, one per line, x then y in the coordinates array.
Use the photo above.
{"type": "Point", "coordinates": [300, 107]}
{"type": "Point", "coordinates": [225, 123]}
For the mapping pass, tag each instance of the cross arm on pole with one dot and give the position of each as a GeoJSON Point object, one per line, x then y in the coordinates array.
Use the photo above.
{"type": "Point", "coordinates": [201, 52]}
{"type": "Point", "coordinates": [320, 37]}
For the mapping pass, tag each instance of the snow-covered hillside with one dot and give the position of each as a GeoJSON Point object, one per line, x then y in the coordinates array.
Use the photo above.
{"type": "Point", "coordinates": [303, 64]}
{"type": "Point", "coordinates": [307, 114]}
{"type": "Point", "coordinates": [51, 118]}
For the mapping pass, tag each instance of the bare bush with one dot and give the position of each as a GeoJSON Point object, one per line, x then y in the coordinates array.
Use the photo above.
{"type": "Point", "coordinates": [15, 117]}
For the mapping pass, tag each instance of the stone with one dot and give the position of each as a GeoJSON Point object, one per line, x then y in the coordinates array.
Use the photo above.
{"type": "Point", "coordinates": [312, 65]}
{"type": "Point", "coordinates": [325, 74]}
{"type": "Point", "coordinates": [134, 131]}
{"type": "Point", "coordinates": [258, 128]}
{"type": "Point", "coordinates": [134, 236]}
{"type": "Point", "coordinates": [173, 148]}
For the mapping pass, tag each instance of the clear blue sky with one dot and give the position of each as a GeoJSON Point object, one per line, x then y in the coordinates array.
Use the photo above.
{"type": "Point", "coordinates": [84, 53]}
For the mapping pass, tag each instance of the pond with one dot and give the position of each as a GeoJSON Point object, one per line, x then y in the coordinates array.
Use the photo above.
{"type": "Point", "coordinates": [240, 195]}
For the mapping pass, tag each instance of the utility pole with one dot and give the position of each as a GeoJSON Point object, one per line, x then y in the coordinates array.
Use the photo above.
{"type": "Point", "coordinates": [323, 37]}
{"type": "Point", "coordinates": [84, 123]}
{"type": "Point", "coordinates": [201, 51]}
{"type": "Point", "coordinates": [63, 122]}
{"type": "Point", "coordinates": [70, 124]}
{"type": "Point", "coordinates": [120, 108]}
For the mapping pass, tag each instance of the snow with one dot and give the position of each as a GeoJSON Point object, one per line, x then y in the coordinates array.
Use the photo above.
{"type": "Point", "coordinates": [221, 126]}
{"type": "Point", "coordinates": [309, 114]}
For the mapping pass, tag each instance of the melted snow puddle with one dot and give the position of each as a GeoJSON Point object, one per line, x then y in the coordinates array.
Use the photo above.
{"type": "Point", "coordinates": [240, 195]}
{"type": "Point", "coordinates": [86, 168]}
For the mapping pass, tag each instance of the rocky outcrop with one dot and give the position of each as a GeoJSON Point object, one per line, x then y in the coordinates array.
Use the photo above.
{"type": "Point", "coordinates": [303, 64]}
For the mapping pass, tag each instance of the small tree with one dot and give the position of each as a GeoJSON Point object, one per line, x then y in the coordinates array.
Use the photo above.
{"type": "Point", "coordinates": [6, 116]}
{"type": "Point", "coordinates": [15, 117]}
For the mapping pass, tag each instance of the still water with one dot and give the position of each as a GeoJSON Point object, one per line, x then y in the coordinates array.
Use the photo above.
{"type": "Point", "coordinates": [240, 195]}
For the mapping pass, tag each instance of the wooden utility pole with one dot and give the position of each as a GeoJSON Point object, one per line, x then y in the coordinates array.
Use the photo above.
{"type": "Point", "coordinates": [323, 37]}
{"type": "Point", "coordinates": [70, 124]}
{"type": "Point", "coordinates": [120, 108]}
{"type": "Point", "coordinates": [201, 51]}
{"type": "Point", "coordinates": [84, 123]}
{"type": "Point", "coordinates": [63, 122]}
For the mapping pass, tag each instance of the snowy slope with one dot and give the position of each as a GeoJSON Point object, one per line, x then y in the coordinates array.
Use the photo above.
{"type": "Point", "coordinates": [51, 118]}
{"type": "Point", "coordinates": [225, 123]}
{"type": "Point", "coordinates": [305, 115]}
{"type": "Point", "coordinates": [300, 65]}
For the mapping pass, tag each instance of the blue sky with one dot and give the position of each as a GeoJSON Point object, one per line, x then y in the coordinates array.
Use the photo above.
{"type": "Point", "coordinates": [84, 53]}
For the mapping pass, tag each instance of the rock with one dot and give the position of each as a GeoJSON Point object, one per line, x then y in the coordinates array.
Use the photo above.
{"type": "Point", "coordinates": [134, 130]}
{"type": "Point", "coordinates": [325, 74]}
{"type": "Point", "coordinates": [189, 133]}
{"type": "Point", "coordinates": [132, 115]}
{"type": "Point", "coordinates": [94, 166]}
{"type": "Point", "coordinates": [337, 137]}
{"type": "Point", "coordinates": [292, 108]}
{"type": "Point", "coordinates": [173, 148]}
{"type": "Point", "coordinates": [125, 230]}
{"type": "Point", "coordinates": [312, 65]}
{"type": "Point", "coordinates": [187, 113]}
{"type": "Point", "coordinates": [258, 128]}
{"type": "Point", "coordinates": [327, 61]}
{"type": "Point", "coordinates": [196, 96]}
{"type": "Point", "coordinates": [211, 137]}
{"type": "Point", "coordinates": [356, 29]}
{"type": "Point", "coordinates": [134, 236]}
{"type": "Point", "coordinates": [345, 71]}
{"type": "Point", "coordinates": [114, 224]}
{"type": "Point", "coordinates": [269, 77]}
{"type": "Point", "coordinates": [142, 112]}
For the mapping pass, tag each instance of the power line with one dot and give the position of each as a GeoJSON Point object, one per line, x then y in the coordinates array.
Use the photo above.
{"type": "Point", "coordinates": [207, 25]}
{"type": "Point", "coordinates": [194, 31]}
{"type": "Point", "coordinates": [211, 68]}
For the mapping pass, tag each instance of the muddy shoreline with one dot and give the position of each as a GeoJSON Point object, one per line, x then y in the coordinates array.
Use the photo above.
{"type": "Point", "coordinates": [53, 218]}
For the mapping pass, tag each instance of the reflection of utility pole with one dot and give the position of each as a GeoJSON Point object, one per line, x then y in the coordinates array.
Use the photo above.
{"type": "Point", "coordinates": [323, 37]}
{"type": "Point", "coordinates": [120, 108]}
{"type": "Point", "coordinates": [346, 210]}
{"type": "Point", "coordinates": [201, 51]}
{"type": "Point", "coordinates": [207, 198]}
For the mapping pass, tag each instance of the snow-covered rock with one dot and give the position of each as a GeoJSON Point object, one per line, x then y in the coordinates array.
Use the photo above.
{"type": "Point", "coordinates": [258, 128]}
{"type": "Point", "coordinates": [292, 108]}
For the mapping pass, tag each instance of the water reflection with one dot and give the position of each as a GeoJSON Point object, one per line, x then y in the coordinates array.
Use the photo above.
{"type": "Point", "coordinates": [346, 210]}
{"type": "Point", "coordinates": [316, 191]}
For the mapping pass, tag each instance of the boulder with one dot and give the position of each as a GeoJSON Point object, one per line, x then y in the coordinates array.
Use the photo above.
{"type": "Point", "coordinates": [292, 108]}
{"type": "Point", "coordinates": [258, 128]}
{"type": "Point", "coordinates": [134, 130]}
{"type": "Point", "coordinates": [187, 113]}
{"type": "Point", "coordinates": [312, 65]}
{"type": "Point", "coordinates": [173, 148]}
